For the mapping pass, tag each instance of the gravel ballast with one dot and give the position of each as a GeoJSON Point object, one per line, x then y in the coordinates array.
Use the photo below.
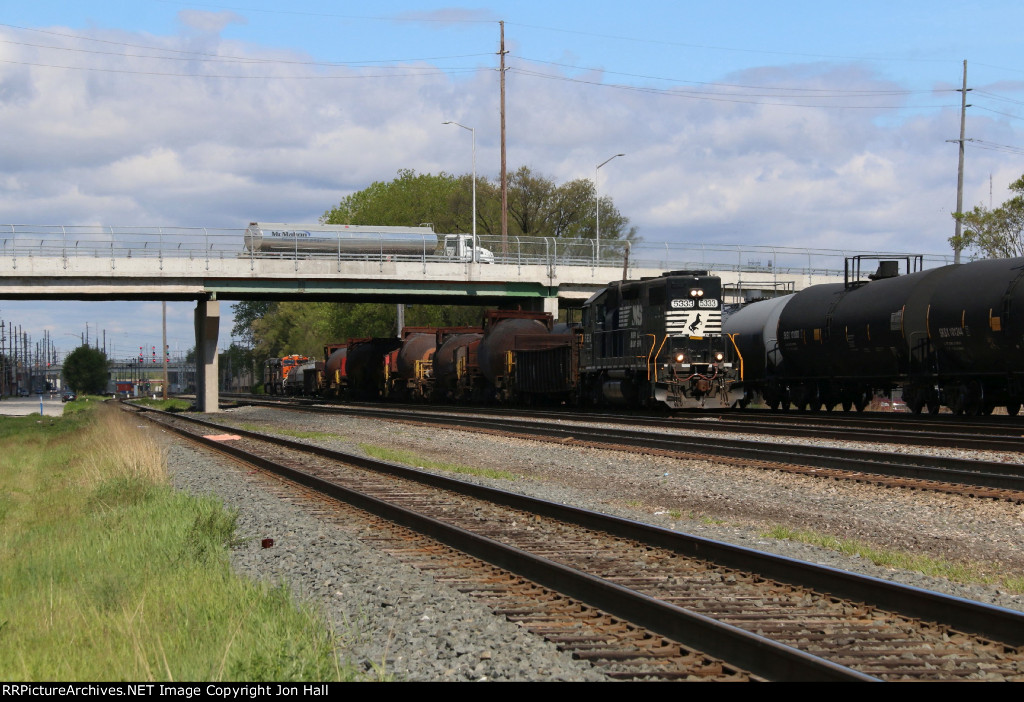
{"type": "Point", "coordinates": [395, 620]}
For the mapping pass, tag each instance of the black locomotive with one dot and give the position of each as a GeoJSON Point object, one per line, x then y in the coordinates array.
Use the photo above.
{"type": "Point", "coordinates": [657, 341]}
{"type": "Point", "coordinates": [951, 336]}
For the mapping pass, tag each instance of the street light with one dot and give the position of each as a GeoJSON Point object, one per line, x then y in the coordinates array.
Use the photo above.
{"type": "Point", "coordinates": [597, 189]}
{"type": "Point", "coordinates": [472, 130]}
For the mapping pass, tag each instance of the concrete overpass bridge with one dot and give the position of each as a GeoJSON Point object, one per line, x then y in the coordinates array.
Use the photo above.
{"type": "Point", "coordinates": [214, 265]}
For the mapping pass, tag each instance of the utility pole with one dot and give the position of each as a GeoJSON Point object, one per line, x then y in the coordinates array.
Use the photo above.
{"type": "Point", "coordinates": [163, 351]}
{"type": "Point", "coordinates": [504, 173]}
{"type": "Point", "coordinates": [960, 170]}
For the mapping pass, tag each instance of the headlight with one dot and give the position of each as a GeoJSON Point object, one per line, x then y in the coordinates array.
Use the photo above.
{"type": "Point", "coordinates": [680, 357]}
{"type": "Point", "coordinates": [696, 292]}
{"type": "Point", "coordinates": [719, 356]}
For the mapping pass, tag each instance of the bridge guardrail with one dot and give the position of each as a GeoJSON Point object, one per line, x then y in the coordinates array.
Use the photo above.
{"type": "Point", "coordinates": [66, 242]}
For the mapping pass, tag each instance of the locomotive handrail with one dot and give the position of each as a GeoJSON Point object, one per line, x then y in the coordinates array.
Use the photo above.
{"type": "Point", "coordinates": [654, 341]}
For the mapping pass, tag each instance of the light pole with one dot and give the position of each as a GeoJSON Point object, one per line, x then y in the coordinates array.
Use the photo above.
{"type": "Point", "coordinates": [597, 189]}
{"type": "Point", "coordinates": [472, 130]}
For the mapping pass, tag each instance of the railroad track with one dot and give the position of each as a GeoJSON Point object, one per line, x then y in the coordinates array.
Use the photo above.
{"type": "Point", "coordinates": [942, 431]}
{"type": "Point", "coordinates": [705, 609]}
{"type": "Point", "coordinates": [974, 478]}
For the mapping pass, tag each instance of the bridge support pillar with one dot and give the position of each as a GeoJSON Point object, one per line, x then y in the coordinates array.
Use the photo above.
{"type": "Point", "coordinates": [551, 305]}
{"type": "Point", "coordinates": [539, 304]}
{"type": "Point", "coordinates": [207, 329]}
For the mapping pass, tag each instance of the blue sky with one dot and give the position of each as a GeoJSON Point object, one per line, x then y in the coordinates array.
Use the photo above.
{"type": "Point", "coordinates": [789, 123]}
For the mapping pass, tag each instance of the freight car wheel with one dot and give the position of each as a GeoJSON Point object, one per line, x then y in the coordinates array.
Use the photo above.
{"type": "Point", "coordinates": [934, 407]}
{"type": "Point", "coordinates": [1013, 408]}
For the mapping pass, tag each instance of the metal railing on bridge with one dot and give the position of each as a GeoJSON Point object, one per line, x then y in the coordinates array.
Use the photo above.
{"type": "Point", "coordinates": [117, 243]}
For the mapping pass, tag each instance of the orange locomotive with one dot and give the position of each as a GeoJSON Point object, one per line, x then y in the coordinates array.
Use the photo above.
{"type": "Point", "coordinates": [276, 371]}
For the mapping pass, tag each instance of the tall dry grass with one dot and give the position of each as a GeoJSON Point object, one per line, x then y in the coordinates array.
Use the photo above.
{"type": "Point", "coordinates": [119, 446]}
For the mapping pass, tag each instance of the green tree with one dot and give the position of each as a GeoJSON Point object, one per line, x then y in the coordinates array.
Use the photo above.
{"type": "Point", "coordinates": [85, 370]}
{"type": "Point", "coordinates": [409, 200]}
{"type": "Point", "coordinates": [994, 233]}
{"type": "Point", "coordinates": [537, 206]}
{"type": "Point", "coordinates": [304, 327]}
{"type": "Point", "coordinates": [245, 313]}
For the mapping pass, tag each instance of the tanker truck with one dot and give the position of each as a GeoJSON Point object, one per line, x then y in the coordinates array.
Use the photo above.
{"type": "Point", "coordinates": [281, 239]}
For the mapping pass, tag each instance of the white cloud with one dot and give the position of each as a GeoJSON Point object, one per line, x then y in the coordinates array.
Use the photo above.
{"type": "Point", "coordinates": [209, 22]}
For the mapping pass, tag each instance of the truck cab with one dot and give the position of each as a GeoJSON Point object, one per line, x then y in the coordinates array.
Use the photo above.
{"type": "Point", "coordinates": [459, 247]}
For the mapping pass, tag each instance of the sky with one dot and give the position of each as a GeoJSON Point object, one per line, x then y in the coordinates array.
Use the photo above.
{"type": "Point", "coordinates": [807, 124]}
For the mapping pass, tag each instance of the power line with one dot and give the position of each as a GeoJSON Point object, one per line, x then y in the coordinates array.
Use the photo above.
{"type": "Point", "coordinates": [411, 71]}
{"type": "Point", "coordinates": [718, 97]}
{"type": "Point", "coordinates": [769, 52]}
{"type": "Point", "coordinates": [997, 112]}
{"type": "Point", "coordinates": [220, 58]}
{"type": "Point", "coordinates": [802, 91]}
{"type": "Point", "coordinates": [991, 146]}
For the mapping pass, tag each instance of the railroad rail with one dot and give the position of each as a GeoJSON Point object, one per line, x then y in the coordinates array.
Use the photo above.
{"type": "Point", "coordinates": [984, 479]}
{"type": "Point", "coordinates": [774, 617]}
{"type": "Point", "coordinates": [943, 431]}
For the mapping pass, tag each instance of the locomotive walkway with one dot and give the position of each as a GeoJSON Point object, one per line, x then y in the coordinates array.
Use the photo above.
{"type": "Point", "coordinates": [210, 265]}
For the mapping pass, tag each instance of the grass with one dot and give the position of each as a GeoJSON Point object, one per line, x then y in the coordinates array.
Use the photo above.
{"type": "Point", "coordinates": [694, 516]}
{"type": "Point", "coordinates": [411, 459]}
{"type": "Point", "coordinates": [110, 574]}
{"type": "Point", "coordinates": [927, 565]}
{"type": "Point", "coordinates": [171, 404]}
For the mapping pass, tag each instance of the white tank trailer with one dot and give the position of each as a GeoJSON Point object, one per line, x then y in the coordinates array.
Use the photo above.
{"type": "Point", "coordinates": [344, 239]}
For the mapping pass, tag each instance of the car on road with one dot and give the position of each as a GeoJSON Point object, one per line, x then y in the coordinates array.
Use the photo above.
{"type": "Point", "coordinates": [68, 396]}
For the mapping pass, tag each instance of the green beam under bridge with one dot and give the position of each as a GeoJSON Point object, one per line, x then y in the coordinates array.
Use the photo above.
{"type": "Point", "coordinates": [472, 292]}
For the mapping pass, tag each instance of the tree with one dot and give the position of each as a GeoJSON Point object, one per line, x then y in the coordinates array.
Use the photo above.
{"type": "Point", "coordinates": [304, 327]}
{"type": "Point", "coordinates": [537, 206]}
{"type": "Point", "coordinates": [245, 313]}
{"type": "Point", "coordinates": [997, 233]}
{"type": "Point", "coordinates": [85, 370]}
{"type": "Point", "coordinates": [236, 364]}
{"type": "Point", "coordinates": [409, 200]}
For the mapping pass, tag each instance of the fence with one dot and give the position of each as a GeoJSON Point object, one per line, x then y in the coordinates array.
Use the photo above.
{"type": "Point", "coordinates": [66, 242]}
